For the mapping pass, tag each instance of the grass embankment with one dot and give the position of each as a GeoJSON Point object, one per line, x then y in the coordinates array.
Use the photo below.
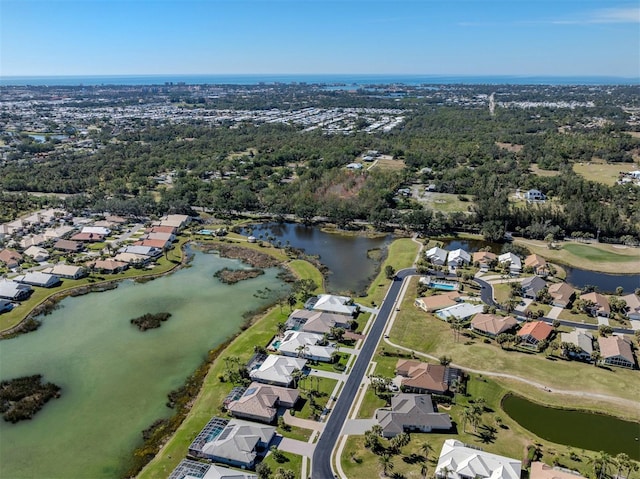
{"type": "Point", "coordinates": [213, 391]}
{"type": "Point", "coordinates": [600, 257]}
{"type": "Point", "coordinates": [508, 439]}
{"type": "Point", "coordinates": [40, 295]}
{"type": "Point", "coordinates": [437, 339]}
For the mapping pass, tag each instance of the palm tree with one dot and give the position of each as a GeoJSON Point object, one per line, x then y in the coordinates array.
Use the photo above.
{"type": "Point", "coordinates": [385, 463]}
{"type": "Point", "coordinates": [377, 430]}
{"type": "Point", "coordinates": [624, 463]}
{"type": "Point", "coordinates": [466, 417]}
{"type": "Point", "coordinates": [424, 469]}
{"type": "Point", "coordinates": [426, 448]}
{"type": "Point", "coordinates": [600, 464]}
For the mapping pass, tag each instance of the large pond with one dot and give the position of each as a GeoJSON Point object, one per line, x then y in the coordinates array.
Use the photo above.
{"type": "Point", "coordinates": [115, 378]}
{"type": "Point", "coordinates": [580, 429]}
{"type": "Point", "coordinates": [577, 277]}
{"type": "Point", "coordinates": [351, 268]}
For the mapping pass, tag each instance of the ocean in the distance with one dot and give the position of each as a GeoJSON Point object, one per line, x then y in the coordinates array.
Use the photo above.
{"type": "Point", "coordinates": [355, 80]}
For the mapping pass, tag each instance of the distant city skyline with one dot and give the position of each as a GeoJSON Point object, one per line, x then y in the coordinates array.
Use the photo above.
{"type": "Point", "coordinates": [406, 37]}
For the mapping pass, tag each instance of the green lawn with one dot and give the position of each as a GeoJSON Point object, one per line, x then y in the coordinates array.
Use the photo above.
{"type": "Point", "coordinates": [436, 338]}
{"type": "Point", "coordinates": [292, 462]}
{"type": "Point", "coordinates": [567, 315]}
{"type": "Point", "coordinates": [510, 440]}
{"type": "Point", "coordinates": [332, 367]}
{"type": "Point", "coordinates": [599, 255]}
{"type": "Point", "coordinates": [324, 386]}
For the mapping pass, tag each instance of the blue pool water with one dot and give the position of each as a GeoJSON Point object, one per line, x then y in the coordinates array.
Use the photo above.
{"type": "Point", "coordinates": [443, 286]}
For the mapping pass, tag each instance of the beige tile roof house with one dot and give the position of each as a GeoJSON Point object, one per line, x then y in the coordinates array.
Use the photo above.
{"type": "Point", "coordinates": [426, 378]}
{"type": "Point", "coordinates": [10, 257]}
{"type": "Point", "coordinates": [411, 412]}
{"type": "Point", "coordinates": [538, 263]}
{"type": "Point", "coordinates": [492, 324]}
{"type": "Point", "coordinates": [562, 294]}
{"type": "Point", "coordinates": [601, 302]}
{"type": "Point", "coordinates": [616, 351]}
{"type": "Point", "coordinates": [633, 305]}
{"type": "Point", "coordinates": [484, 257]}
{"type": "Point", "coordinates": [260, 402]}
{"type": "Point", "coordinates": [433, 303]}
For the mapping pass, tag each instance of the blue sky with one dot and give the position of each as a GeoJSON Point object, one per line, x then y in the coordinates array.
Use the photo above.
{"type": "Point", "coordinates": [463, 37]}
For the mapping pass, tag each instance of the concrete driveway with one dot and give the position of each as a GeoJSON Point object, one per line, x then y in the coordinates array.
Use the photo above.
{"type": "Point", "coordinates": [296, 447]}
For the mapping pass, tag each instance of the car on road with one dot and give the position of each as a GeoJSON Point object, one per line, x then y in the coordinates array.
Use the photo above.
{"type": "Point", "coordinates": [386, 336]}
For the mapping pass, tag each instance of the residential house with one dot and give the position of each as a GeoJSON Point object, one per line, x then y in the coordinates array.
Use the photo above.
{"type": "Point", "coordinates": [429, 304]}
{"type": "Point", "coordinates": [164, 229]}
{"type": "Point", "coordinates": [484, 259]}
{"type": "Point", "coordinates": [68, 246]}
{"type": "Point", "coordinates": [108, 266]}
{"type": "Point", "coordinates": [132, 258]}
{"type": "Point", "coordinates": [534, 332]}
{"type": "Point", "coordinates": [11, 258]}
{"type": "Point", "coordinates": [66, 271]}
{"type": "Point", "coordinates": [537, 263]}
{"type": "Point", "coordinates": [59, 232]}
{"type": "Point", "coordinates": [148, 251]}
{"type": "Point", "coordinates": [277, 370]}
{"type": "Point", "coordinates": [32, 240]}
{"type": "Point", "coordinates": [96, 230]}
{"type": "Point", "coordinates": [116, 220]}
{"type": "Point", "coordinates": [600, 303]}
{"type": "Point", "coordinates": [534, 195]}
{"type": "Point", "coordinates": [458, 257]}
{"type": "Point", "coordinates": [531, 286]}
{"type": "Point", "coordinates": [460, 312]}
{"type": "Point", "coordinates": [190, 469]}
{"type": "Point", "coordinates": [305, 345]}
{"type": "Point", "coordinates": [38, 254]}
{"type": "Point", "coordinates": [335, 304]}
{"type": "Point", "coordinates": [233, 442]}
{"type": "Point", "coordinates": [175, 221]}
{"type": "Point", "coordinates": [492, 325]}
{"type": "Point", "coordinates": [167, 237]}
{"type": "Point", "coordinates": [14, 291]}
{"type": "Point", "coordinates": [319, 322]}
{"type": "Point", "coordinates": [539, 470]}
{"type": "Point", "coordinates": [459, 461]}
{"type": "Point", "coordinates": [260, 402]}
{"type": "Point", "coordinates": [87, 237]}
{"type": "Point", "coordinates": [411, 412]}
{"type": "Point", "coordinates": [419, 377]}
{"type": "Point", "coordinates": [514, 262]}
{"type": "Point", "coordinates": [5, 306]}
{"type": "Point", "coordinates": [37, 278]}
{"type": "Point", "coordinates": [154, 243]}
{"type": "Point", "coordinates": [616, 351]}
{"type": "Point", "coordinates": [562, 294]}
{"type": "Point", "coordinates": [633, 306]}
{"type": "Point", "coordinates": [581, 344]}
{"type": "Point", "coordinates": [437, 256]}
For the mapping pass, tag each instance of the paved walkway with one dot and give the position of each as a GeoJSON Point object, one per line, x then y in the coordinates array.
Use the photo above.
{"type": "Point", "coordinates": [294, 446]}
{"type": "Point", "coordinates": [555, 312]}
{"type": "Point", "coordinates": [358, 426]}
{"type": "Point", "coordinates": [367, 309]}
{"type": "Point", "coordinates": [303, 423]}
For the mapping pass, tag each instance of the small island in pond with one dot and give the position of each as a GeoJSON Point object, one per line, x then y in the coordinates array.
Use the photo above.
{"type": "Point", "coordinates": [150, 320]}
{"type": "Point", "coordinates": [21, 398]}
{"type": "Point", "coordinates": [232, 276]}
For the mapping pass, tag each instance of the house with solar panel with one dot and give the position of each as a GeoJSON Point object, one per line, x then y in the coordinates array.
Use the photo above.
{"type": "Point", "coordinates": [232, 442]}
{"type": "Point", "coordinates": [190, 469]}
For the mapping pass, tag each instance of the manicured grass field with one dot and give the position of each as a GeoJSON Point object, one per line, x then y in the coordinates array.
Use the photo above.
{"type": "Point", "coordinates": [446, 202]}
{"type": "Point", "coordinates": [387, 164]}
{"type": "Point", "coordinates": [324, 385]}
{"type": "Point", "coordinates": [293, 462]}
{"type": "Point", "coordinates": [601, 172]}
{"type": "Point", "coordinates": [436, 338]}
{"type": "Point", "coordinates": [601, 257]}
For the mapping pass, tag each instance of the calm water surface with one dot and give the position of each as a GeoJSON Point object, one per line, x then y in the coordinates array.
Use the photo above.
{"type": "Point", "coordinates": [115, 378]}
{"type": "Point", "coordinates": [580, 429]}
{"type": "Point", "coordinates": [345, 256]}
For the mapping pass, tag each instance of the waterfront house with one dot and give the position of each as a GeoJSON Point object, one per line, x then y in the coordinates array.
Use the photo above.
{"type": "Point", "coordinates": [260, 402]}
{"type": "Point", "coordinates": [411, 412]}
{"type": "Point", "coordinates": [537, 264]}
{"type": "Point", "coordinates": [534, 332]}
{"type": "Point", "coordinates": [5, 306]}
{"type": "Point", "coordinates": [419, 377]}
{"type": "Point", "coordinates": [460, 311]}
{"type": "Point", "coordinates": [233, 442]}
{"type": "Point", "coordinates": [320, 322]}
{"type": "Point", "coordinates": [492, 325]}
{"type": "Point", "coordinates": [513, 261]}
{"type": "Point", "coordinates": [539, 470]}
{"type": "Point", "coordinates": [167, 237]}
{"type": "Point", "coordinates": [277, 370]}
{"type": "Point", "coordinates": [108, 266]}
{"type": "Point", "coordinates": [616, 351]}
{"type": "Point", "coordinates": [154, 243]}
{"type": "Point", "coordinates": [132, 258]}
{"type": "Point", "coordinates": [458, 257]}
{"type": "Point", "coordinates": [531, 286]}
{"type": "Point", "coordinates": [14, 291]}
{"type": "Point", "coordinates": [459, 461]}
{"type": "Point", "coordinates": [190, 469]}
{"type": "Point", "coordinates": [335, 304]}
{"type": "Point", "coordinates": [562, 294]}
{"type": "Point", "coordinates": [436, 302]}
{"type": "Point", "coordinates": [484, 260]}
{"type": "Point", "coordinates": [66, 271]}
{"type": "Point", "coordinates": [599, 304]}
{"type": "Point", "coordinates": [37, 278]}
{"type": "Point", "coordinates": [148, 251]}
{"type": "Point", "coordinates": [633, 306]}
{"type": "Point", "coordinates": [37, 254]}
{"type": "Point", "coordinates": [437, 256]}
{"type": "Point", "coordinates": [580, 344]}
{"type": "Point", "coordinates": [305, 345]}
{"type": "Point", "coordinates": [11, 258]}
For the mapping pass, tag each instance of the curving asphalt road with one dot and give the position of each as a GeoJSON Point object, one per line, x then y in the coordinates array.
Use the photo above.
{"type": "Point", "coordinates": [321, 463]}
